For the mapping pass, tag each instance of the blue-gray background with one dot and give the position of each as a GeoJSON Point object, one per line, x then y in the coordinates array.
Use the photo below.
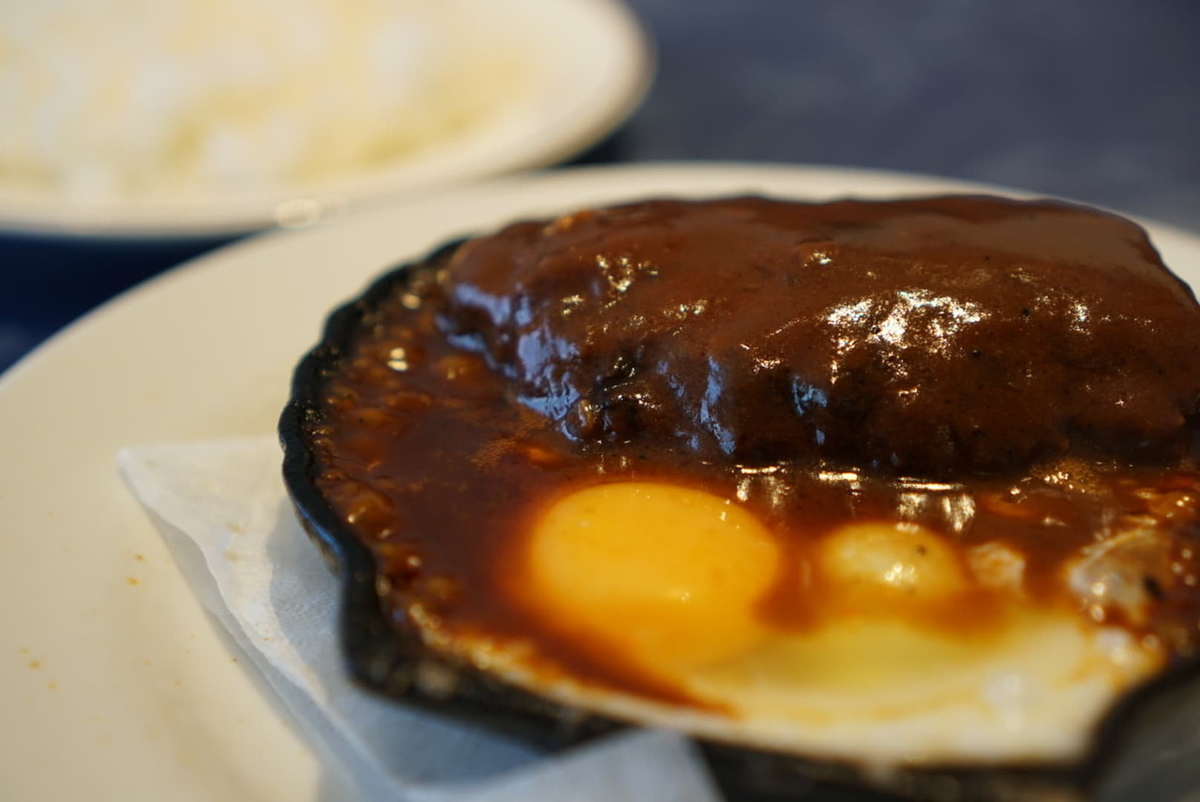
{"type": "Point", "coordinates": [1097, 100]}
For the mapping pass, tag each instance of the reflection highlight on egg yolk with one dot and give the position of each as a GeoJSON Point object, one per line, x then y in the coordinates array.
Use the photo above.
{"type": "Point", "coordinates": [875, 566]}
{"type": "Point", "coordinates": [669, 575]}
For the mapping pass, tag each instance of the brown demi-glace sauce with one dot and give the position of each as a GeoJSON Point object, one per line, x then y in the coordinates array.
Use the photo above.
{"type": "Point", "coordinates": [1015, 373]}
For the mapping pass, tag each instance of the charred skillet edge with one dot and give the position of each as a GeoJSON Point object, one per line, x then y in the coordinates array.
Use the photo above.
{"type": "Point", "coordinates": [386, 654]}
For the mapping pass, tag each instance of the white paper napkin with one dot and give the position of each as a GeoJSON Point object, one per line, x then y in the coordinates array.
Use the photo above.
{"type": "Point", "coordinates": [223, 511]}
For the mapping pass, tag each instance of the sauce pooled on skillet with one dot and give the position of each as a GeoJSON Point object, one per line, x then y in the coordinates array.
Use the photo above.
{"type": "Point", "coordinates": [953, 407]}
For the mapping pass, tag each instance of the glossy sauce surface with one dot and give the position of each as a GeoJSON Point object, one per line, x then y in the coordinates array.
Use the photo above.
{"type": "Point", "coordinates": [1016, 379]}
{"type": "Point", "coordinates": [932, 337]}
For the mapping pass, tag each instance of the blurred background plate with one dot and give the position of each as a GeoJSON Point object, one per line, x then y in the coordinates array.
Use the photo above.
{"type": "Point", "coordinates": [523, 83]}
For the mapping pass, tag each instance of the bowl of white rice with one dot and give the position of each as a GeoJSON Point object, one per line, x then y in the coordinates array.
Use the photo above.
{"type": "Point", "coordinates": [129, 119]}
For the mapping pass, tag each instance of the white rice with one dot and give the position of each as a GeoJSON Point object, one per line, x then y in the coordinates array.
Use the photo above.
{"type": "Point", "coordinates": [171, 99]}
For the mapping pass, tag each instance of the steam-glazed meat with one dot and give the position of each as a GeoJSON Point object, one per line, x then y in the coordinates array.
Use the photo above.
{"type": "Point", "coordinates": [936, 337]}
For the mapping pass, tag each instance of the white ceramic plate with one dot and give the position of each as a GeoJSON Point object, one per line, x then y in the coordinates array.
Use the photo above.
{"type": "Point", "coordinates": [113, 683]}
{"type": "Point", "coordinates": [587, 62]}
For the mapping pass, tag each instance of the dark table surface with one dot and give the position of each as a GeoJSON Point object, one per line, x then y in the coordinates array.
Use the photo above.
{"type": "Point", "coordinates": [1097, 100]}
